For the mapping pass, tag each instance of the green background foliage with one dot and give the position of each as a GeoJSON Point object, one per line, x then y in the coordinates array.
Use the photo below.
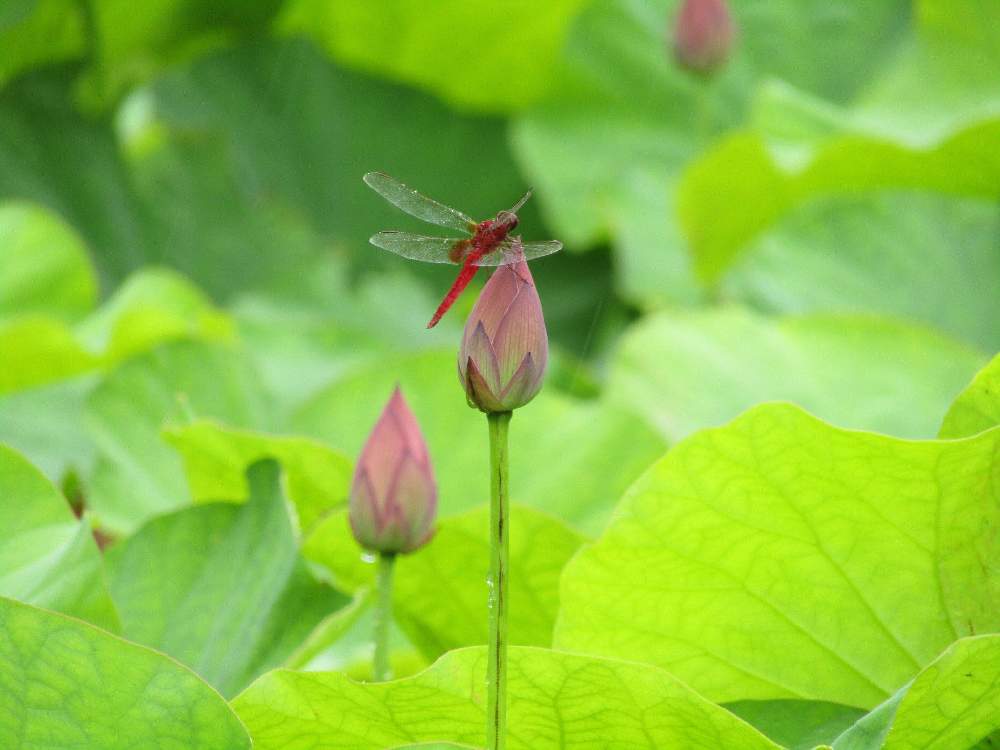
{"type": "Point", "coordinates": [196, 339]}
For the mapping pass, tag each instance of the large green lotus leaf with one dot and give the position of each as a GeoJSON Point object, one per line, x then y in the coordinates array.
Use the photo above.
{"type": "Point", "coordinates": [477, 55]}
{"type": "Point", "coordinates": [930, 123]}
{"type": "Point", "coordinates": [252, 169]}
{"type": "Point", "coordinates": [53, 156]}
{"type": "Point", "coordinates": [780, 557]}
{"type": "Point", "coordinates": [977, 408]}
{"type": "Point", "coordinates": [216, 457]}
{"type": "Point", "coordinates": [687, 370]}
{"type": "Point", "coordinates": [440, 591]}
{"type": "Point", "coordinates": [953, 703]}
{"type": "Point", "coordinates": [333, 632]}
{"type": "Point", "coordinates": [797, 724]}
{"type": "Point", "coordinates": [569, 457]}
{"type": "Point", "coordinates": [138, 475]}
{"type": "Point", "coordinates": [620, 99]}
{"type": "Point", "coordinates": [48, 557]}
{"type": "Point", "coordinates": [557, 700]}
{"type": "Point", "coordinates": [221, 587]}
{"type": "Point", "coordinates": [68, 684]}
{"type": "Point", "coordinates": [46, 267]}
{"type": "Point", "coordinates": [922, 256]}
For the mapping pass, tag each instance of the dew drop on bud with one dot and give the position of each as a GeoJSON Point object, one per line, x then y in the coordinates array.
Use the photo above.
{"type": "Point", "coordinates": [368, 557]}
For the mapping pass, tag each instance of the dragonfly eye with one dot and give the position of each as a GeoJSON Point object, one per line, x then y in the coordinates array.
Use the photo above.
{"type": "Point", "coordinates": [508, 219]}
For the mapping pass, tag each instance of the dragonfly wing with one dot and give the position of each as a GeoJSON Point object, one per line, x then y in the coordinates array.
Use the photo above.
{"type": "Point", "coordinates": [505, 252]}
{"type": "Point", "coordinates": [415, 204]}
{"type": "Point", "coordinates": [418, 247]}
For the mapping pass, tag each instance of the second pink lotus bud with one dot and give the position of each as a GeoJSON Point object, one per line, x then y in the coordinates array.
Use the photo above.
{"type": "Point", "coordinates": [393, 499]}
{"type": "Point", "coordinates": [703, 35]}
{"type": "Point", "coordinates": [505, 347]}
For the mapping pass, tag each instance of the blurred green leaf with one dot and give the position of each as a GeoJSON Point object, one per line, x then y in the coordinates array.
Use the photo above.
{"type": "Point", "coordinates": [556, 700]}
{"type": "Point", "coordinates": [737, 190]}
{"type": "Point", "coordinates": [216, 457]}
{"type": "Point", "coordinates": [258, 152]}
{"type": "Point", "coordinates": [152, 306]}
{"type": "Point", "coordinates": [128, 47]}
{"type": "Point", "coordinates": [440, 591]}
{"type": "Point", "coordinates": [38, 32]}
{"type": "Point", "coordinates": [477, 55]}
{"type": "Point", "coordinates": [115, 47]}
{"type": "Point", "coordinates": [221, 587]}
{"type": "Point", "coordinates": [927, 257]}
{"type": "Point", "coordinates": [953, 703]}
{"type": "Point", "coordinates": [574, 457]}
{"type": "Point", "coordinates": [977, 408]}
{"type": "Point", "coordinates": [138, 474]}
{"type": "Point", "coordinates": [39, 350]}
{"type": "Point", "coordinates": [779, 557]}
{"type": "Point", "coordinates": [69, 684]}
{"type": "Point", "coordinates": [48, 557]}
{"type": "Point", "coordinates": [49, 368]}
{"type": "Point", "coordinates": [317, 327]}
{"type": "Point", "coordinates": [47, 425]}
{"type": "Point", "coordinates": [930, 123]}
{"type": "Point", "coordinates": [53, 156]}
{"type": "Point", "coordinates": [687, 370]}
{"type": "Point", "coordinates": [638, 119]}
{"type": "Point", "coordinates": [46, 267]}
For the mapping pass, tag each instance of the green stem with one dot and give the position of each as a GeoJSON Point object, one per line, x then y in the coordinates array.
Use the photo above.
{"type": "Point", "coordinates": [496, 671]}
{"type": "Point", "coordinates": [383, 616]}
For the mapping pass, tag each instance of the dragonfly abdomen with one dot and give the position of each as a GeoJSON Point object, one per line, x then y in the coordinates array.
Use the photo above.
{"type": "Point", "coordinates": [461, 281]}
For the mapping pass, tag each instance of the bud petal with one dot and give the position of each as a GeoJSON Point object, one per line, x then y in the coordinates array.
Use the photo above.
{"type": "Point", "coordinates": [478, 392]}
{"type": "Point", "coordinates": [393, 498]}
{"type": "Point", "coordinates": [704, 34]}
{"type": "Point", "coordinates": [505, 346]}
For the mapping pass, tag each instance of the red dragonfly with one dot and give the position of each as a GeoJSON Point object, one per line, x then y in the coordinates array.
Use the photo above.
{"type": "Point", "coordinates": [486, 243]}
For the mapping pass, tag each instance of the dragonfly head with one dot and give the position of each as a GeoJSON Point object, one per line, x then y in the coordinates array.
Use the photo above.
{"type": "Point", "coordinates": [506, 220]}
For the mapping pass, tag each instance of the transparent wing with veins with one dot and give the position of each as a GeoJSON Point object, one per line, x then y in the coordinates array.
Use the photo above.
{"type": "Point", "coordinates": [420, 206]}
{"type": "Point", "coordinates": [452, 250]}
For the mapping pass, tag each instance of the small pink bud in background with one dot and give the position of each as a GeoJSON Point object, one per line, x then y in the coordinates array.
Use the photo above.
{"type": "Point", "coordinates": [704, 33]}
{"type": "Point", "coordinates": [393, 496]}
{"type": "Point", "coordinates": [504, 347]}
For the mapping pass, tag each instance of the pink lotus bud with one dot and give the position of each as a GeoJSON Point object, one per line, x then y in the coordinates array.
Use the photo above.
{"type": "Point", "coordinates": [505, 347]}
{"type": "Point", "coordinates": [393, 495]}
{"type": "Point", "coordinates": [703, 35]}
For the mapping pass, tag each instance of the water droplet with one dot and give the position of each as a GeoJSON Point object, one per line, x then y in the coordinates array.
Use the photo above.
{"type": "Point", "coordinates": [368, 557]}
